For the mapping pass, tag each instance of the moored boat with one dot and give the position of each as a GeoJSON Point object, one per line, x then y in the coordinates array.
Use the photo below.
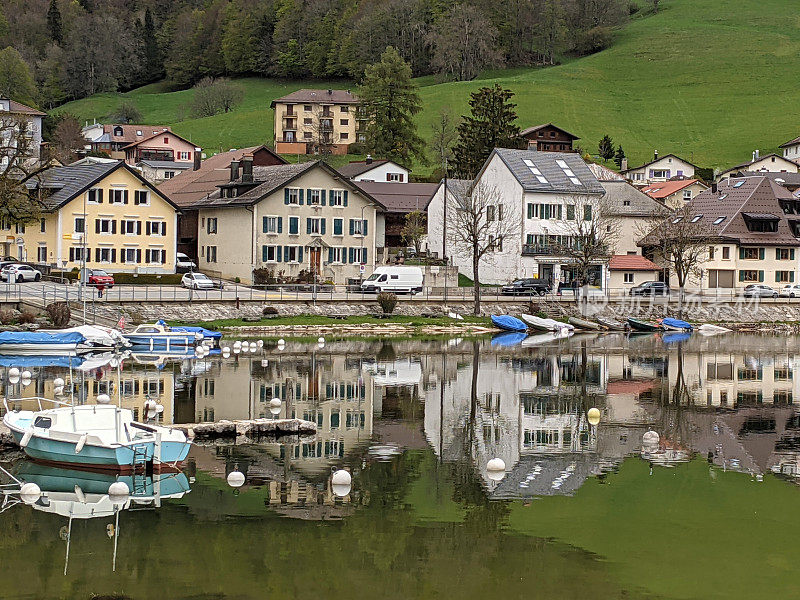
{"type": "Point", "coordinates": [585, 324]}
{"type": "Point", "coordinates": [709, 329]}
{"type": "Point", "coordinates": [611, 324]}
{"type": "Point", "coordinates": [208, 334]}
{"type": "Point", "coordinates": [676, 324]}
{"type": "Point", "coordinates": [156, 336]}
{"type": "Point", "coordinates": [541, 324]}
{"type": "Point", "coordinates": [508, 323]}
{"type": "Point", "coordinates": [86, 338]}
{"type": "Point", "coordinates": [639, 325]}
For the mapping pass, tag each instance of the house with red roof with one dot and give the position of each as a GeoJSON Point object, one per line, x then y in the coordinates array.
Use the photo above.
{"type": "Point", "coordinates": [675, 193]}
{"type": "Point", "coordinates": [628, 270]}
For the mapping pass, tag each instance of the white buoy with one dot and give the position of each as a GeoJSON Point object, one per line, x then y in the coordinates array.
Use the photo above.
{"type": "Point", "coordinates": [260, 343]}
{"type": "Point", "coordinates": [103, 399]}
{"type": "Point", "coordinates": [253, 346]}
{"type": "Point", "coordinates": [198, 351]}
{"type": "Point", "coordinates": [275, 410]}
{"type": "Point", "coordinates": [58, 390]}
{"type": "Point", "coordinates": [58, 382]}
{"type": "Point", "coordinates": [321, 340]}
{"type": "Point", "coordinates": [26, 381]}
{"type": "Point", "coordinates": [236, 479]}
{"type": "Point", "coordinates": [159, 408]}
{"type": "Point", "coordinates": [226, 352]}
{"type": "Point", "coordinates": [13, 372]}
{"type": "Point", "coordinates": [321, 345]}
{"type": "Point", "coordinates": [275, 402]}
{"type": "Point", "coordinates": [496, 464]}
{"type": "Point", "coordinates": [593, 415]}
{"type": "Point", "coordinates": [29, 493]}
{"type": "Point", "coordinates": [13, 379]}
{"type": "Point", "coordinates": [237, 344]}
{"type": "Point", "coordinates": [341, 477]}
{"type": "Point", "coordinates": [26, 374]}
{"type": "Point", "coordinates": [341, 490]}
{"type": "Point", "coordinates": [119, 492]}
{"type": "Point", "coordinates": [198, 336]}
{"type": "Point", "coordinates": [281, 342]}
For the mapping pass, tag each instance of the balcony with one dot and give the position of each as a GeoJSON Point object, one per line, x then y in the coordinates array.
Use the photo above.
{"type": "Point", "coordinates": [539, 250]}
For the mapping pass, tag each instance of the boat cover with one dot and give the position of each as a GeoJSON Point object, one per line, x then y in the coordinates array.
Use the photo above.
{"type": "Point", "coordinates": [41, 337]}
{"type": "Point", "coordinates": [40, 361]}
{"type": "Point", "coordinates": [676, 336]}
{"type": "Point", "coordinates": [676, 323]}
{"type": "Point", "coordinates": [207, 333]}
{"type": "Point", "coordinates": [508, 339]}
{"type": "Point", "coordinates": [509, 323]}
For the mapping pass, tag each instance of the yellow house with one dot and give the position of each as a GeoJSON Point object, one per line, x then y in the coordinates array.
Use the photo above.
{"type": "Point", "coordinates": [106, 212]}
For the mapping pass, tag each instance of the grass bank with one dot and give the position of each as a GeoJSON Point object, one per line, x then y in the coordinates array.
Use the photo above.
{"type": "Point", "coordinates": [312, 320]}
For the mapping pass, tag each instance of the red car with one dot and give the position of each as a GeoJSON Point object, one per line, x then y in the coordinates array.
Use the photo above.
{"type": "Point", "coordinates": [98, 277]}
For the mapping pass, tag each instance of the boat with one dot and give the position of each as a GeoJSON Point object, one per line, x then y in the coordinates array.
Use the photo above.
{"type": "Point", "coordinates": [638, 325]}
{"type": "Point", "coordinates": [508, 323]}
{"type": "Point", "coordinates": [156, 336]}
{"type": "Point", "coordinates": [585, 325]}
{"type": "Point", "coordinates": [98, 436]}
{"type": "Point", "coordinates": [86, 338]}
{"type": "Point", "coordinates": [509, 338]}
{"type": "Point", "coordinates": [540, 324]}
{"type": "Point", "coordinates": [676, 324]}
{"type": "Point", "coordinates": [709, 329]}
{"type": "Point", "coordinates": [208, 334]}
{"type": "Point", "coordinates": [611, 324]}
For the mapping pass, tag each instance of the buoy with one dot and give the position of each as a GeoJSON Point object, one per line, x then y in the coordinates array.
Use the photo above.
{"type": "Point", "coordinates": [13, 372]}
{"type": "Point", "coordinates": [118, 492]}
{"type": "Point", "coordinates": [341, 490]}
{"type": "Point", "coordinates": [496, 475]}
{"type": "Point", "coordinates": [58, 390]}
{"type": "Point", "coordinates": [58, 382]}
{"type": "Point", "coordinates": [13, 379]}
{"type": "Point", "coordinates": [150, 405]}
{"type": "Point", "coordinates": [237, 344]}
{"type": "Point", "coordinates": [81, 443]}
{"type": "Point", "coordinates": [253, 346]}
{"type": "Point", "coordinates": [26, 438]}
{"type": "Point", "coordinates": [29, 493]}
{"type": "Point", "coordinates": [260, 343]}
{"type": "Point", "coordinates": [237, 350]}
{"type": "Point", "coordinates": [198, 336]}
{"type": "Point", "coordinates": [341, 477]}
{"type": "Point", "coordinates": [321, 345]}
{"type": "Point", "coordinates": [321, 340]}
{"type": "Point", "coordinates": [26, 374]}
{"type": "Point", "coordinates": [236, 479]}
{"type": "Point", "coordinates": [593, 415]}
{"type": "Point", "coordinates": [650, 438]}
{"type": "Point", "coordinates": [159, 408]}
{"type": "Point", "coordinates": [275, 402]}
{"type": "Point", "coordinates": [26, 381]}
{"type": "Point", "coordinates": [281, 342]}
{"type": "Point", "coordinates": [103, 399]}
{"type": "Point", "coordinates": [496, 464]}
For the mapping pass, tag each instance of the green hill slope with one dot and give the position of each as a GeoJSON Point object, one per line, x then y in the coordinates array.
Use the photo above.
{"type": "Point", "coordinates": [710, 80]}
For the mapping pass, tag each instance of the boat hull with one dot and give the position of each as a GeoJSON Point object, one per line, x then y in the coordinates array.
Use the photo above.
{"type": "Point", "coordinates": [637, 325]}
{"type": "Point", "coordinates": [583, 324]}
{"type": "Point", "coordinates": [161, 341]}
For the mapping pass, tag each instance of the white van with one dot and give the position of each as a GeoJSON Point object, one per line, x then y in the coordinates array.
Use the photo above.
{"type": "Point", "coordinates": [184, 263]}
{"type": "Point", "coordinates": [394, 279]}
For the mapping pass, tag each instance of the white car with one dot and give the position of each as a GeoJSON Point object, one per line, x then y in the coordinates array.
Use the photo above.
{"type": "Point", "coordinates": [184, 263]}
{"type": "Point", "coordinates": [19, 273]}
{"type": "Point", "coordinates": [790, 291]}
{"type": "Point", "coordinates": [197, 281]}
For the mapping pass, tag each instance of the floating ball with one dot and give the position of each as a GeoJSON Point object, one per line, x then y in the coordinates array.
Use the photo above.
{"type": "Point", "coordinates": [26, 374]}
{"type": "Point", "coordinates": [341, 477]}
{"type": "Point", "coordinates": [235, 479]}
{"type": "Point", "coordinates": [118, 492]}
{"type": "Point", "coordinates": [496, 464]}
{"type": "Point", "coordinates": [594, 416]}
{"type": "Point", "coordinates": [13, 372]}
{"type": "Point", "coordinates": [58, 382]}
{"type": "Point", "coordinates": [103, 399]}
{"type": "Point", "coordinates": [29, 493]}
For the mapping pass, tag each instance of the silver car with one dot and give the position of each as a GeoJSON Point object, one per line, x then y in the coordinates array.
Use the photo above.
{"type": "Point", "coordinates": [790, 291]}
{"type": "Point", "coordinates": [759, 290]}
{"type": "Point", "coordinates": [17, 272]}
{"type": "Point", "coordinates": [197, 281]}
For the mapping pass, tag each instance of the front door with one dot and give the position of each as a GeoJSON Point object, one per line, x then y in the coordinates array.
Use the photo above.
{"type": "Point", "coordinates": [546, 273]}
{"type": "Point", "coordinates": [314, 261]}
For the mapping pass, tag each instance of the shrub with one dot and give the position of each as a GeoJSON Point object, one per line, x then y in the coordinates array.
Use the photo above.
{"type": "Point", "coordinates": [59, 314]}
{"type": "Point", "coordinates": [269, 310]}
{"type": "Point", "coordinates": [237, 280]}
{"type": "Point", "coordinates": [267, 277]}
{"type": "Point", "coordinates": [7, 317]}
{"type": "Point", "coordinates": [387, 302]}
{"type": "Point", "coordinates": [27, 316]}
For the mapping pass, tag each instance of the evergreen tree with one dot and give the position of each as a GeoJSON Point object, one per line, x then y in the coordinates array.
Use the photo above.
{"type": "Point", "coordinates": [152, 65]}
{"type": "Point", "coordinates": [619, 156]}
{"type": "Point", "coordinates": [54, 26]}
{"type": "Point", "coordinates": [490, 124]}
{"type": "Point", "coordinates": [389, 101]}
{"type": "Point", "coordinates": [606, 147]}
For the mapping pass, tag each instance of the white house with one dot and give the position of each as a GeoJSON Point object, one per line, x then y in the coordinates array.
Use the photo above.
{"type": "Point", "coordinates": [16, 115]}
{"type": "Point", "coordinates": [770, 163]}
{"type": "Point", "coordinates": [791, 150]}
{"type": "Point", "coordinates": [660, 169]}
{"type": "Point", "coordinates": [375, 170]}
{"type": "Point", "coordinates": [542, 194]}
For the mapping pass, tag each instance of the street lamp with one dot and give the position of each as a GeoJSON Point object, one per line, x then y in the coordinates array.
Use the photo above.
{"type": "Point", "coordinates": [361, 252]}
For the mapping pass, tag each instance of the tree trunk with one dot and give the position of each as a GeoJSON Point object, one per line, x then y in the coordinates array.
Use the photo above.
{"type": "Point", "coordinates": [477, 286]}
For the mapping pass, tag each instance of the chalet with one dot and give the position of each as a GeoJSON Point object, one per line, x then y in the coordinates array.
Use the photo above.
{"type": "Point", "coordinates": [661, 168]}
{"type": "Point", "coordinates": [791, 150]}
{"type": "Point", "coordinates": [549, 138]}
{"type": "Point", "coordinates": [382, 170]}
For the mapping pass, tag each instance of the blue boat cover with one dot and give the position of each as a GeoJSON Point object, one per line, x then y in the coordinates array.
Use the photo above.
{"type": "Point", "coordinates": [509, 323]}
{"type": "Point", "coordinates": [511, 338]}
{"type": "Point", "coordinates": [676, 323]}
{"type": "Point", "coordinates": [40, 361]}
{"type": "Point", "coordinates": [676, 336]}
{"type": "Point", "coordinates": [40, 337]}
{"type": "Point", "coordinates": [207, 333]}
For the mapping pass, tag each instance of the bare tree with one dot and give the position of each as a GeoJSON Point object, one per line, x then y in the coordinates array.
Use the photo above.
{"type": "Point", "coordinates": [323, 133]}
{"type": "Point", "coordinates": [214, 96]}
{"type": "Point", "coordinates": [591, 230]}
{"type": "Point", "coordinates": [414, 229]}
{"type": "Point", "coordinates": [465, 43]}
{"type": "Point", "coordinates": [67, 138]}
{"type": "Point", "coordinates": [678, 243]}
{"type": "Point", "coordinates": [478, 225]}
{"type": "Point", "coordinates": [20, 169]}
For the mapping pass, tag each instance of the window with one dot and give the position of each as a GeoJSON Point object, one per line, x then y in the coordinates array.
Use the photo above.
{"type": "Point", "coordinates": [626, 203]}
{"type": "Point", "coordinates": [750, 253]}
{"type": "Point", "coordinates": [570, 212]}
{"type": "Point", "coordinates": [76, 254]}
{"type": "Point", "coordinates": [271, 224]}
{"type": "Point", "coordinates": [292, 254]}
{"type": "Point", "coordinates": [587, 212]}
{"type": "Point", "coordinates": [718, 220]}
{"type": "Point", "coordinates": [338, 226]}
{"type": "Point", "coordinates": [294, 225]}
{"type": "Point", "coordinates": [157, 228]}
{"type": "Point", "coordinates": [270, 253]}
{"type": "Point", "coordinates": [315, 226]}
{"type": "Point", "coordinates": [696, 218]}
{"type": "Point", "coordinates": [490, 212]}
{"type": "Point", "coordinates": [41, 254]}
{"type": "Point", "coordinates": [344, 122]}
{"type": "Point", "coordinates": [307, 107]}
{"type": "Point", "coordinates": [211, 225]}
{"type": "Point", "coordinates": [141, 198]}
{"type": "Point", "coordinates": [183, 155]}
{"type": "Point", "coordinates": [308, 121]}
{"type": "Point", "coordinates": [336, 255]}
{"type": "Point", "coordinates": [358, 227]}
{"type": "Point", "coordinates": [19, 228]}
{"type": "Point", "coordinates": [536, 172]}
{"type": "Point", "coordinates": [687, 195]}
{"type": "Point", "coordinates": [338, 197]}
{"type": "Point", "coordinates": [169, 174]}
{"type": "Point", "coordinates": [784, 276]}
{"type": "Point", "coordinates": [118, 196]}
{"type": "Point", "coordinates": [130, 227]}
{"type": "Point", "coordinates": [211, 254]}
{"type": "Point", "coordinates": [677, 220]}
{"type": "Point", "coordinates": [105, 226]}
{"type": "Point", "coordinates": [307, 135]}
{"type": "Point", "coordinates": [155, 256]}
{"type": "Point", "coordinates": [104, 255]}
{"type": "Point", "coordinates": [344, 135]}
{"type": "Point", "coordinates": [315, 197]}
{"type": "Point", "coordinates": [293, 196]}
{"type": "Point", "coordinates": [358, 255]}
{"type": "Point", "coordinates": [94, 196]}
{"type": "Point", "coordinates": [784, 253]}
{"type": "Point", "coordinates": [394, 177]}
{"type": "Point", "coordinates": [166, 140]}
{"type": "Point", "coordinates": [627, 277]}
{"type": "Point", "coordinates": [546, 211]}
{"type": "Point", "coordinates": [748, 276]}
{"type": "Point", "coordinates": [42, 225]}
{"type": "Point", "coordinates": [726, 253]}
{"type": "Point", "coordinates": [344, 109]}
{"type": "Point", "coordinates": [659, 173]}
{"type": "Point", "coordinates": [739, 183]}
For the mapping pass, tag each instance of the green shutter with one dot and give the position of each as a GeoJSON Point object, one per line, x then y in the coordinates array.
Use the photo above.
{"type": "Point", "coordinates": [308, 225]}
{"type": "Point", "coordinates": [760, 276]}
{"type": "Point", "coordinates": [300, 254]}
{"type": "Point", "coordinates": [286, 195]}
{"type": "Point", "coordinates": [530, 210]}
{"type": "Point", "coordinates": [777, 276]}
{"type": "Point", "coordinates": [322, 225]}
{"type": "Point", "coordinates": [300, 193]}
{"type": "Point", "coordinates": [263, 224]}
{"type": "Point", "coordinates": [263, 254]}
{"type": "Point", "coordinates": [280, 224]}
{"type": "Point", "coordinates": [322, 195]}
{"type": "Point", "coordinates": [777, 253]}
{"type": "Point", "coordinates": [364, 228]}
{"type": "Point", "coordinates": [286, 254]}
{"type": "Point", "coordinates": [278, 253]}
{"type": "Point", "coordinates": [741, 275]}
{"type": "Point", "coordinates": [761, 254]}
{"type": "Point", "coordinates": [791, 276]}
{"type": "Point", "coordinates": [337, 226]}
{"type": "Point", "coordinates": [741, 255]}
{"type": "Point", "coordinates": [364, 255]}
{"type": "Point", "coordinates": [791, 253]}
{"type": "Point", "coordinates": [352, 226]}
{"type": "Point", "coordinates": [330, 260]}
{"type": "Point", "coordinates": [345, 197]}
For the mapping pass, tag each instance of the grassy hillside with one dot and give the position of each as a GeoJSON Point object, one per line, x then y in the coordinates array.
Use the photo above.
{"type": "Point", "coordinates": [710, 80]}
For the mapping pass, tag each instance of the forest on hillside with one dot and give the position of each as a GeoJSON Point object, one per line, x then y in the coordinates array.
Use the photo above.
{"type": "Point", "coordinates": [60, 50]}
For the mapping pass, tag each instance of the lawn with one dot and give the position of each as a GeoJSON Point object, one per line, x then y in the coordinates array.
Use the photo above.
{"type": "Point", "coordinates": [709, 80]}
{"type": "Point", "coordinates": [351, 320]}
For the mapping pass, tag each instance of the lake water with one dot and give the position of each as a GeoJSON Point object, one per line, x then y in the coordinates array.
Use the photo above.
{"type": "Point", "coordinates": [582, 511]}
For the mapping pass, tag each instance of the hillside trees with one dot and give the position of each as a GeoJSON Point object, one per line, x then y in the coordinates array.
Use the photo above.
{"type": "Point", "coordinates": [16, 80]}
{"type": "Point", "coordinates": [464, 44]}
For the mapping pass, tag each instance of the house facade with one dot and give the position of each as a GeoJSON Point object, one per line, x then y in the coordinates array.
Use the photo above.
{"type": "Point", "coordinates": [316, 122]}
{"type": "Point", "coordinates": [165, 146]}
{"type": "Point", "coordinates": [543, 194]}
{"type": "Point", "coordinates": [628, 270]}
{"type": "Point", "coordinates": [549, 138]}
{"type": "Point", "coordinates": [26, 120]}
{"type": "Point", "coordinates": [675, 193]}
{"type": "Point", "coordinates": [106, 213]}
{"type": "Point", "coordinates": [661, 168]}
{"type": "Point", "coordinates": [291, 220]}
{"type": "Point", "coordinates": [791, 150]}
{"type": "Point", "coordinates": [771, 163]}
{"type": "Point", "coordinates": [111, 139]}
{"type": "Point", "coordinates": [375, 171]}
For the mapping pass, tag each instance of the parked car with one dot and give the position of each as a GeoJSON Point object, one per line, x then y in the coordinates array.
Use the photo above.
{"type": "Point", "coordinates": [98, 277]}
{"type": "Point", "coordinates": [650, 288]}
{"type": "Point", "coordinates": [184, 263]}
{"type": "Point", "coordinates": [526, 287]}
{"type": "Point", "coordinates": [19, 273]}
{"type": "Point", "coordinates": [197, 281]}
{"type": "Point", "coordinates": [759, 290]}
{"type": "Point", "coordinates": [394, 279]}
{"type": "Point", "coordinates": [790, 291]}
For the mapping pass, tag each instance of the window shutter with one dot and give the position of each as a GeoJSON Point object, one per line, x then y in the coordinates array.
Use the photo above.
{"type": "Point", "coordinates": [777, 276]}
{"type": "Point", "coordinates": [308, 195]}
{"type": "Point", "coordinates": [263, 224]}
{"type": "Point", "coordinates": [352, 226]}
{"type": "Point", "coordinates": [300, 193]}
{"type": "Point", "coordinates": [299, 254]}
{"type": "Point", "coordinates": [791, 253]}
{"type": "Point", "coordinates": [97, 225]}
{"type": "Point", "coordinates": [72, 255]}
{"type": "Point", "coordinates": [777, 254]}
{"type": "Point", "coordinates": [138, 256]}
{"type": "Point", "coordinates": [322, 194]}
{"type": "Point", "coordinates": [286, 254]}
{"type": "Point", "coordinates": [147, 228]}
{"type": "Point", "coordinates": [138, 228]}
{"type": "Point", "coordinates": [147, 255]}
{"type": "Point", "coordinates": [263, 254]}
{"type": "Point", "coordinates": [741, 255]}
{"type": "Point", "coordinates": [337, 227]}
{"type": "Point", "coordinates": [322, 226]}
{"type": "Point", "coordinates": [761, 254]}
{"type": "Point", "coordinates": [308, 225]}
{"type": "Point", "coordinates": [351, 255]}
{"type": "Point", "coordinates": [741, 275]}
{"type": "Point", "coordinates": [364, 228]}
{"type": "Point", "coordinates": [97, 255]}
{"type": "Point", "coordinates": [345, 197]}
{"type": "Point", "coordinates": [330, 255]}
{"type": "Point", "coordinates": [278, 256]}
{"type": "Point", "coordinates": [280, 224]}
{"type": "Point", "coordinates": [760, 276]}
{"type": "Point", "coordinates": [100, 196]}
{"type": "Point", "coordinates": [286, 195]}
{"type": "Point", "coordinates": [164, 229]}
{"type": "Point", "coordinates": [163, 257]}
{"type": "Point", "coordinates": [113, 226]}
{"type": "Point", "coordinates": [530, 210]}
{"type": "Point", "coordinates": [791, 276]}
{"type": "Point", "coordinates": [364, 256]}
{"type": "Point", "coordinates": [124, 196]}
{"type": "Point", "coordinates": [113, 255]}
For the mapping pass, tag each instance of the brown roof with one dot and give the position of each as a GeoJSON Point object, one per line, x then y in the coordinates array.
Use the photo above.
{"type": "Point", "coordinates": [129, 132]}
{"type": "Point", "coordinates": [756, 197]}
{"type": "Point", "coordinates": [631, 262]}
{"type": "Point", "coordinates": [759, 159]}
{"type": "Point", "coordinates": [399, 197]}
{"type": "Point", "coordinates": [535, 128]}
{"type": "Point", "coordinates": [359, 167]}
{"type": "Point", "coordinates": [666, 189]}
{"type": "Point", "coordinates": [790, 143]}
{"type": "Point", "coordinates": [318, 97]}
{"type": "Point", "coordinates": [18, 107]}
{"type": "Point", "coordinates": [190, 186]}
{"type": "Point", "coordinates": [155, 135]}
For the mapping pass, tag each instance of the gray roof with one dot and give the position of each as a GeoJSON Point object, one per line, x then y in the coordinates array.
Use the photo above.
{"type": "Point", "coordinates": [359, 167]}
{"type": "Point", "coordinates": [66, 182]}
{"type": "Point", "coordinates": [625, 200]}
{"type": "Point", "coordinates": [787, 180]}
{"type": "Point", "coordinates": [655, 160]}
{"type": "Point", "coordinates": [522, 162]}
{"type": "Point", "coordinates": [166, 164]}
{"type": "Point", "coordinates": [329, 96]}
{"type": "Point", "coordinates": [400, 197]}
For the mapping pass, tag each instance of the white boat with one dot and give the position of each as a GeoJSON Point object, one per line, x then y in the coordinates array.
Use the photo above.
{"type": "Point", "coordinates": [545, 338]}
{"type": "Point", "coordinates": [540, 324]}
{"type": "Point", "coordinates": [157, 336]}
{"type": "Point", "coordinates": [99, 436]}
{"type": "Point", "coordinates": [709, 329]}
{"type": "Point", "coordinates": [85, 338]}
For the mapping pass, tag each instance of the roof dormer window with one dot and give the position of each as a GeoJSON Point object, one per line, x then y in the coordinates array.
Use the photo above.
{"type": "Point", "coordinates": [117, 131]}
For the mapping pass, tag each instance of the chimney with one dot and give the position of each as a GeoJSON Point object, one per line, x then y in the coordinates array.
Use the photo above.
{"type": "Point", "coordinates": [754, 156]}
{"type": "Point", "coordinates": [247, 168]}
{"type": "Point", "coordinates": [714, 188]}
{"type": "Point", "coordinates": [196, 165]}
{"type": "Point", "coordinates": [368, 161]}
{"type": "Point", "coordinates": [624, 165]}
{"type": "Point", "coordinates": [757, 155]}
{"type": "Point", "coordinates": [234, 170]}
{"type": "Point", "coordinates": [655, 154]}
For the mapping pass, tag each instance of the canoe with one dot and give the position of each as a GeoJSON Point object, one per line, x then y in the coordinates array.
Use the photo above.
{"type": "Point", "coordinates": [612, 324]}
{"type": "Point", "coordinates": [540, 324]}
{"type": "Point", "coordinates": [638, 325]}
{"type": "Point", "coordinates": [584, 324]}
{"type": "Point", "coordinates": [508, 323]}
{"type": "Point", "coordinates": [675, 324]}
